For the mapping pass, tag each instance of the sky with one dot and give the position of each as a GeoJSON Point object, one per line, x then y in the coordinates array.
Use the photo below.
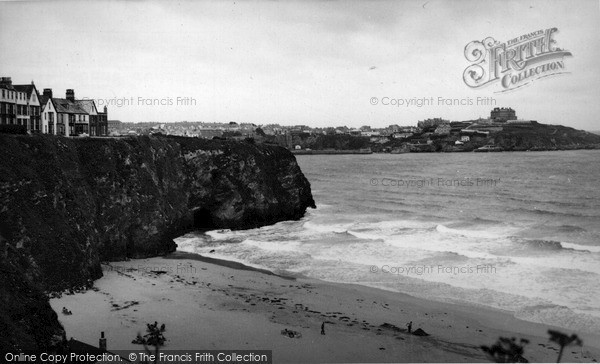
{"type": "Point", "coordinates": [317, 63]}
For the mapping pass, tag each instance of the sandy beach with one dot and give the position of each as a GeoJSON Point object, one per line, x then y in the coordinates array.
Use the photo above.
{"type": "Point", "coordinates": [208, 304]}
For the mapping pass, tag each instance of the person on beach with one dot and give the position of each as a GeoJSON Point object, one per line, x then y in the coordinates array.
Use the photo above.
{"type": "Point", "coordinates": [409, 325]}
{"type": "Point", "coordinates": [323, 328]}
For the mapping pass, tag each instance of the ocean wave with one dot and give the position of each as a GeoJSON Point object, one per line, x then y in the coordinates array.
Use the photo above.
{"type": "Point", "coordinates": [551, 245]}
{"type": "Point", "coordinates": [222, 234]}
{"type": "Point", "coordinates": [570, 229]}
{"type": "Point", "coordinates": [373, 230]}
{"type": "Point", "coordinates": [583, 248]}
{"type": "Point", "coordinates": [560, 316]}
{"type": "Point", "coordinates": [327, 228]}
{"type": "Point", "coordinates": [274, 246]}
{"type": "Point", "coordinates": [544, 212]}
{"type": "Point", "coordinates": [529, 200]}
{"type": "Point", "coordinates": [188, 242]}
{"type": "Point", "coordinates": [365, 235]}
{"type": "Point", "coordinates": [487, 234]}
{"type": "Point", "coordinates": [539, 244]}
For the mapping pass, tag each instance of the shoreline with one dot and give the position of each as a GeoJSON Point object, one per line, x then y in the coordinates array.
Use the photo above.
{"type": "Point", "coordinates": [214, 304]}
{"type": "Point", "coordinates": [345, 152]}
{"type": "Point", "coordinates": [463, 307]}
{"type": "Point", "coordinates": [329, 151]}
{"type": "Point", "coordinates": [181, 255]}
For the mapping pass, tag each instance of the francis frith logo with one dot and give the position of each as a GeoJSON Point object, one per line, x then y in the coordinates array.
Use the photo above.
{"type": "Point", "coordinates": [516, 62]}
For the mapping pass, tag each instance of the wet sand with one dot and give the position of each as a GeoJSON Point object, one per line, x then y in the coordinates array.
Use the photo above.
{"type": "Point", "coordinates": [211, 304]}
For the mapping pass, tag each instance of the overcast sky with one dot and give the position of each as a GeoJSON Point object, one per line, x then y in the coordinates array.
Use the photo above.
{"type": "Point", "coordinates": [317, 63]}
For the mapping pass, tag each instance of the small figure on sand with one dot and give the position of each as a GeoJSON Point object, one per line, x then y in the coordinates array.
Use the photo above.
{"type": "Point", "coordinates": [323, 328]}
{"type": "Point", "coordinates": [409, 325]}
{"type": "Point", "coordinates": [66, 312]}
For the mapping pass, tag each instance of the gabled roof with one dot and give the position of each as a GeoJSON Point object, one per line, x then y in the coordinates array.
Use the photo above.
{"type": "Point", "coordinates": [29, 89]}
{"type": "Point", "coordinates": [43, 100]}
{"type": "Point", "coordinates": [88, 105]}
{"type": "Point", "coordinates": [25, 88]}
{"type": "Point", "coordinates": [67, 106]}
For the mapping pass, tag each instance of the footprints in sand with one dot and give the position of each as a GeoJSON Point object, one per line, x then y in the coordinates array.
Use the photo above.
{"type": "Point", "coordinates": [285, 311]}
{"type": "Point", "coordinates": [583, 354]}
{"type": "Point", "coordinates": [127, 304]}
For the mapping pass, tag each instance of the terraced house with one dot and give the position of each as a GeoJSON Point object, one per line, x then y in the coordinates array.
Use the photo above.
{"type": "Point", "coordinates": [19, 105]}
{"type": "Point", "coordinates": [70, 117]}
{"type": "Point", "coordinates": [23, 105]}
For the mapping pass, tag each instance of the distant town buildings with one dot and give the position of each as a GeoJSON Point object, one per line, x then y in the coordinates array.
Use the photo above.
{"type": "Point", "coordinates": [501, 114]}
{"type": "Point", "coordinates": [425, 133]}
{"type": "Point", "coordinates": [443, 129]}
{"type": "Point", "coordinates": [432, 123]}
{"type": "Point", "coordinates": [113, 125]}
{"type": "Point", "coordinates": [23, 105]}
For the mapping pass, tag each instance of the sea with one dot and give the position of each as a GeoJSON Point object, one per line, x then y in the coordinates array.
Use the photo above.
{"type": "Point", "coordinates": [516, 231]}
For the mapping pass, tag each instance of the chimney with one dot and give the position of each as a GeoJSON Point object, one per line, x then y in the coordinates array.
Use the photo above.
{"type": "Point", "coordinates": [102, 342]}
{"type": "Point", "coordinates": [105, 109]}
{"type": "Point", "coordinates": [48, 93]}
{"type": "Point", "coordinates": [70, 94]}
{"type": "Point", "coordinates": [6, 81]}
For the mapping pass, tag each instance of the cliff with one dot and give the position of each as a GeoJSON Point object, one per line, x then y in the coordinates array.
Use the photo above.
{"type": "Point", "coordinates": [544, 137]}
{"type": "Point", "coordinates": [68, 204]}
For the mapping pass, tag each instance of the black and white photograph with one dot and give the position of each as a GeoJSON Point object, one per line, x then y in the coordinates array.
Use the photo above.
{"type": "Point", "coordinates": [286, 181]}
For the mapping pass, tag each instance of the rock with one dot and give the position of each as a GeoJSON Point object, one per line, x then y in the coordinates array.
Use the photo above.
{"type": "Point", "coordinates": [392, 327]}
{"type": "Point", "coordinates": [68, 204]}
{"type": "Point", "coordinates": [420, 332]}
{"type": "Point", "coordinates": [291, 334]}
{"type": "Point", "coordinates": [27, 320]}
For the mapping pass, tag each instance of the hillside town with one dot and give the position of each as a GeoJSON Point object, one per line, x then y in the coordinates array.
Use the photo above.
{"type": "Point", "coordinates": [28, 111]}
{"type": "Point", "coordinates": [305, 139]}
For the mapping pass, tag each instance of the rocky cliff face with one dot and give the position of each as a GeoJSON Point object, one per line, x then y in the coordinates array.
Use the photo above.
{"type": "Point", "coordinates": [68, 204]}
